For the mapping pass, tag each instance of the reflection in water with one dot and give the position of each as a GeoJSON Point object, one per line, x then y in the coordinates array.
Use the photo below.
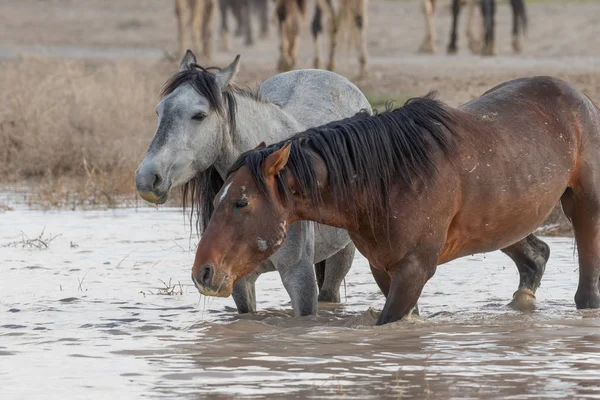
{"type": "Point", "coordinates": [85, 318]}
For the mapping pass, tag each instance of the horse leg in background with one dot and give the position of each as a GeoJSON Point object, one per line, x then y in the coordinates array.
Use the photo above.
{"type": "Point", "coordinates": [238, 15]}
{"type": "Point", "coordinates": [182, 13]}
{"type": "Point", "coordinates": [198, 10]}
{"type": "Point", "coordinates": [581, 207]}
{"type": "Point", "coordinates": [474, 39]}
{"type": "Point", "coordinates": [244, 293]}
{"type": "Point", "coordinates": [488, 10]}
{"type": "Point", "coordinates": [519, 24]}
{"type": "Point", "coordinates": [333, 29]}
{"type": "Point", "coordinates": [262, 9]}
{"type": "Point", "coordinates": [531, 255]}
{"type": "Point", "coordinates": [359, 24]}
{"type": "Point", "coordinates": [316, 29]}
{"type": "Point", "coordinates": [224, 9]}
{"type": "Point", "coordinates": [246, 11]}
{"type": "Point", "coordinates": [452, 47]}
{"type": "Point", "coordinates": [406, 282]}
{"type": "Point", "coordinates": [428, 44]}
{"type": "Point", "coordinates": [337, 266]}
{"type": "Point", "coordinates": [207, 28]}
{"type": "Point", "coordinates": [281, 10]}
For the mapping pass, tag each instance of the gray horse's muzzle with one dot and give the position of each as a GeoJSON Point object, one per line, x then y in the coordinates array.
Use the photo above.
{"type": "Point", "coordinates": [149, 185]}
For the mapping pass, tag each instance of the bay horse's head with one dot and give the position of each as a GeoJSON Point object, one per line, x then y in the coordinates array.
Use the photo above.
{"type": "Point", "coordinates": [193, 122]}
{"type": "Point", "coordinates": [249, 224]}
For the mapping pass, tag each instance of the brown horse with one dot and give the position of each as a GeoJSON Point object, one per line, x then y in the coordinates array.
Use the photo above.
{"type": "Point", "coordinates": [422, 185]}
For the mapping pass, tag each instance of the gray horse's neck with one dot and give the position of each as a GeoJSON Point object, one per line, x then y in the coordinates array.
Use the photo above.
{"type": "Point", "coordinates": [256, 121]}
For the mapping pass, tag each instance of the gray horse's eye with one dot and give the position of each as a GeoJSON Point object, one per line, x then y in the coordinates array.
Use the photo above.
{"type": "Point", "coordinates": [241, 203]}
{"type": "Point", "coordinates": [199, 117]}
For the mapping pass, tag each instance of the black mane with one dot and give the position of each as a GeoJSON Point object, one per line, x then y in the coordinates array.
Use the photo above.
{"type": "Point", "coordinates": [202, 189]}
{"type": "Point", "coordinates": [364, 152]}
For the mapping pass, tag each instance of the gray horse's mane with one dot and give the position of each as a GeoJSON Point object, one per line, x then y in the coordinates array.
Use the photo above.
{"type": "Point", "coordinates": [202, 189]}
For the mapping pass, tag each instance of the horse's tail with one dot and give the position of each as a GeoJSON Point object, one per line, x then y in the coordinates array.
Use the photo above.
{"type": "Point", "coordinates": [520, 13]}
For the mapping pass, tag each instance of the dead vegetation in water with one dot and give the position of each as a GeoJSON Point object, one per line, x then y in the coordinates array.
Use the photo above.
{"type": "Point", "coordinates": [167, 289]}
{"type": "Point", "coordinates": [41, 242]}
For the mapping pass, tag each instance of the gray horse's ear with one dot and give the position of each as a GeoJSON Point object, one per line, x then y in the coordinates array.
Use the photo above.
{"type": "Point", "coordinates": [188, 59]}
{"type": "Point", "coordinates": [261, 145]}
{"type": "Point", "coordinates": [225, 76]}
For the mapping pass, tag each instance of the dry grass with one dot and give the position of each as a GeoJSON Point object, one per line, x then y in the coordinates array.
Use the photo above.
{"type": "Point", "coordinates": [41, 242]}
{"type": "Point", "coordinates": [75, 131]}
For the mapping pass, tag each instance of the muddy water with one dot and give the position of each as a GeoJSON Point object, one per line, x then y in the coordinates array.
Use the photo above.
{"type": "Point", "coordinates": [88, 317]}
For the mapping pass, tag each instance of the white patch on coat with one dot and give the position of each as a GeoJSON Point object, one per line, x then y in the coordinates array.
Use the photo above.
{"type": "Point", "coordinates": [263, 244]}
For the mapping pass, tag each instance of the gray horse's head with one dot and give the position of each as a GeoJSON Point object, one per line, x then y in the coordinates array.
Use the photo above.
{"type": "Point", "coordinates": [193, 122]}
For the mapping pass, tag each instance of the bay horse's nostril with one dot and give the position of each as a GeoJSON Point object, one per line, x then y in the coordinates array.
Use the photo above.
{"type": "Point", "coordinates": [205, 275]}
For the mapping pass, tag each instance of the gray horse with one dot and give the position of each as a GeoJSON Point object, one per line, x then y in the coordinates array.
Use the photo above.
{"type": "Point", "coordinates": [205, 122]}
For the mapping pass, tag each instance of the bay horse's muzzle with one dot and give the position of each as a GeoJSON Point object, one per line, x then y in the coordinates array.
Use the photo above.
{"type": "Point", "coordinates": [209, 284]}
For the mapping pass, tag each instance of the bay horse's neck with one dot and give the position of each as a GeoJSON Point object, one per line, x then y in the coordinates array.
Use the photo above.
{"type": "Point", "coordinates": [256, 121]}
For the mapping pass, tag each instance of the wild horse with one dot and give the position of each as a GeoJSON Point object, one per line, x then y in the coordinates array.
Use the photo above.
{"type": "Point", "coordinates": [422, 185]}
{"type": "Point", "coordinates": [205, 121]}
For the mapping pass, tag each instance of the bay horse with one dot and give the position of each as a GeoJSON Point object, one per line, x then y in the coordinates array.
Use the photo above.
{"type": "Point", "coordinates": [206, 121]}
{"type": "Point", "coordinates": [422, 185]}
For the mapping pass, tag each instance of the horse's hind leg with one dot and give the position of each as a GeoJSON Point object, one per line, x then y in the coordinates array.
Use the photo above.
{"type": "Point", "coordinates": [488, 10]}
{"type": "Point", "coordinates": [583, 209]}
{"type": "Point", "coordinates": [207, 28]}
{"type": "Point", "coordinates": [428, 44]}
{"type": "Point", "coordinates": [224, 8]}
{"type": "Point", "coordinates": [452, 48]}
{"type": "Point", "coordinates": [336, 269]}
{"type": "Point", "coordinates": [531, 255]}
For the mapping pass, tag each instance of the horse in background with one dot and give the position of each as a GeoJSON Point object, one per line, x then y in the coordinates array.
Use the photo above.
{"type": "Point", "coordinates": [485, 42]}
{"type": "Point", "coordinates": [334, 17]}
{"type": "Point", "coordinates": [195, 22]}
{"type": "Point", "coordinates": [242, 11]}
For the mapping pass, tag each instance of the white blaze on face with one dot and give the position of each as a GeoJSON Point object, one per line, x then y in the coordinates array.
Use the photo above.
{"type": "Point", "coordinates": [224, 194]}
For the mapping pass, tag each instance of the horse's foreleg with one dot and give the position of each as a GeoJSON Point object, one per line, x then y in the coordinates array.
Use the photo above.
{"type": "Point", "coordinates": [263, 15]}
{"type": "Point", "coordinates": [582, 208]}
{"type": "Point", "coordinates": [224, 8]}
{"type": "Point", "coordinates": [244, 293]}
{"type": "Point", "coordinates": [338, 266]}
{"type": "Point", "coordinates": [428, 44]}
{"type": "Point", "coordinates": [531, 255]}
{"type": "Point", "coordinates": [407, 280]}
{"type": "Point", "coordinates": [360, 24]}
{"type": "Point", "coordinates": [182, 14]}
{"type": "Point", "coordinates": [333, 29]}
{"type": "Point", "coordinates": [474, 40]}
{"type": "Point", "coordinates": [207, 28]}
{"type": "Point", "coordinates": [247, 15]}
{"type": "Point", "coordinates": [488, 10]}
{"type": "Point", "coordinates": [300, 283]}
{"type": "Point", "coordinates": [452, 47]}
{"type": "Point", "coordinates": [316, 28]}
{"type": "Point", "coordinates": [519, 20]}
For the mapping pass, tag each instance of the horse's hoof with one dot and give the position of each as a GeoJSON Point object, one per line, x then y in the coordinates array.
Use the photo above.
{"type": "Point", "coordinates": [517, 45]}
{"type": "Point", "coordinates": [452, 49]}
{"type": "Point", "coordinates": [523, 300]}
{"type": "Point", "coordinates": [326, 296]}
{"type": "Point", "coordinates": [426, 48]}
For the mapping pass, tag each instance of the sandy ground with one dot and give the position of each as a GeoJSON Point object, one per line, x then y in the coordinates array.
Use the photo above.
{"type": "Point", "coordinates": [561, 40]}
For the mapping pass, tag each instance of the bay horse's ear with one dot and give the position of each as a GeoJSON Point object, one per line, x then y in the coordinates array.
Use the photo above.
{"type": "Point", "coordinates": [225, 76]}
{"type": "Point", "coordinates": [186, 62]}
{"type": "Point", "coordinates": [261, 145]}
{"type": "Point", "coordinates": [275, 162]}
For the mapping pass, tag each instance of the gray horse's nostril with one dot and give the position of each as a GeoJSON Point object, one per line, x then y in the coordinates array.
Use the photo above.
{"type": "Point", "coordinates": [204, 276]}
{"type": "Point", "coordinates": [157, 180]}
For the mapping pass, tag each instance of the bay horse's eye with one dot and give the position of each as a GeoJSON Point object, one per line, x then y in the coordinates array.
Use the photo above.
{"type": "Point", "coordinates": [199, 117]}
{"type": "Point", "coordinates": [241, 203]}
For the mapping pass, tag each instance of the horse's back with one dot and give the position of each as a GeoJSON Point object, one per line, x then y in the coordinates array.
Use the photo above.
{"type": "Point", "coordinates": [315, 97]}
